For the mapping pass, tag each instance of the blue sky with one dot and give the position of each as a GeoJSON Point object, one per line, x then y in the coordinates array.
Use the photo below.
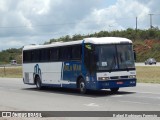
{"type": "Point", "coordinates": [26, 22]}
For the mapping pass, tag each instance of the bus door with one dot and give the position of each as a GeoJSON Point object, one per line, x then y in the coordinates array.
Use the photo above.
{"type": "Point", "coordinates": [72, 65]}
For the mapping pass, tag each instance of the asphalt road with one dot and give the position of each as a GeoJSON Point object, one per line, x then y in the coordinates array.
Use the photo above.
{"type": "Point", "coordinates": [16, 96]}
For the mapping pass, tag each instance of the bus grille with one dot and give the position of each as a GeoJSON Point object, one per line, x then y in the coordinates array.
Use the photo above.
{"type": "Point", "coordinates": [119, 77]}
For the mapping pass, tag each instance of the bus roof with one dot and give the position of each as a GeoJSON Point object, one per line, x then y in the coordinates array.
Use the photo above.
{"type": "Point", "coordinates": [93, 40]}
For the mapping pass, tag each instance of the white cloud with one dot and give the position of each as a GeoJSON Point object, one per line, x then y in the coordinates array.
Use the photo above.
{"type": "Point", "coordinates": [118, 16]}
{"type": "Point", "coordinates": [34, 7]}
{"type": "Point", "coordinates": [8, 42]}
{"type": "Point", "coordinates": [3, 6]}
{"type": "Point", "coordinates": [36, 21]}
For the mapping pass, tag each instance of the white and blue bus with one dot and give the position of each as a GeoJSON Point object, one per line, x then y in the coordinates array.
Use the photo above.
{"type": "Point", "coordinates": [89, 64]}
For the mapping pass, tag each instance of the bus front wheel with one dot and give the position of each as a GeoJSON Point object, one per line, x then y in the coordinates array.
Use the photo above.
{"type": "Point", "coordinates": [114, 90]}
{"type": "Point", "coordinates": [82, 86]}
{"type": "Point", "coordinates": [38, 82]}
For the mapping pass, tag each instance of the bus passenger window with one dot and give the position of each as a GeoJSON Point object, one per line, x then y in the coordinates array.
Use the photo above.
{"type": "Point", "coordinates": [76, 52]}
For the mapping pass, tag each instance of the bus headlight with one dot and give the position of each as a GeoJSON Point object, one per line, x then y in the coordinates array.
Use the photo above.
{"type": "Point", "coordinates": [103, 78]}
{"type": "Point", "coordinates": [132, 76]}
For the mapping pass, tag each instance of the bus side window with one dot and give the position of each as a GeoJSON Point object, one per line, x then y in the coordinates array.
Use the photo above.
{"type": "Point", "coordinates": [27, 56]}
{"type": "Point", "coordinates": [44, 55]}
{"type": "Point", "coordinates": [54, 54]}
{"type": "Point", "coordinates": [35, 56]}
{"type": "Point", "coordinates": [65, 53]}
{"type": "Point", "coordinates": [76, 52]}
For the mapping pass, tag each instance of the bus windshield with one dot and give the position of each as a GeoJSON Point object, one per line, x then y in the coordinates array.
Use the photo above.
{"type": "Point", "coordinates": [114, 57]}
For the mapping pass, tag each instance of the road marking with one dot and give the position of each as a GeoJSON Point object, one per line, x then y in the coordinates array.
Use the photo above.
{"type": "Point", "coordinates": [118, 96]}
{"type": "Point", "coordinates": [92, 105]}
{"type": "Point", "coordinates": [135, 102]}
{"type": "Point", "coordinates": [148, 93]}
{"type": "Point", "coordinates": [148, 85]}
{"type": "Point", "coordinates": [4, 88]}
{"type": "Point", "coordinates": [147, 97]}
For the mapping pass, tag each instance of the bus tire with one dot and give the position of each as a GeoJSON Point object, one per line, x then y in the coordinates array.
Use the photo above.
{"type": "Point", "coordinates": [114, 90]}
{"type": "Point", "coordinates": [38, 82]}
{"type": "Point", "coordinates": [82, 86]}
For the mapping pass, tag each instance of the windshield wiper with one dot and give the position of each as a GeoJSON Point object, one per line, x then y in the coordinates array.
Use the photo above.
{"type": "Point", "coordinates": [124, 62]}
{"type": "Point", "coordinates": [126, 66]}
{"type": "Point", "coordinates": [114, 60]}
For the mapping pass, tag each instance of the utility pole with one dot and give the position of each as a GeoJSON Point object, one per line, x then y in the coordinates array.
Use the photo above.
{"type": "Point", "coordinates": [151, 20]}
{"type": "Point", "coordinates": [136, 24]}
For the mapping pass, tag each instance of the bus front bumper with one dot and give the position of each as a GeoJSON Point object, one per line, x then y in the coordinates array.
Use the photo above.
{"type": "Point", "coordinates": [112, 84]}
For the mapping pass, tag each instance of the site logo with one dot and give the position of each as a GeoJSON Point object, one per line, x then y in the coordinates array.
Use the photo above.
{"type": "Point", "coordinates": [21, 114]}
{"type": "Point", "coordinates": [37, 71]}
{"type": "Point", "coordinates": [6, 114]}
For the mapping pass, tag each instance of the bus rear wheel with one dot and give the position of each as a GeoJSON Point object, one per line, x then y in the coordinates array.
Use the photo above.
{"type": "Point", "coordinates": [38, 82]}
{"type": "Point", "coordinates": [82, 86]}
{"type": "Point", "coordinates": [114, 90]}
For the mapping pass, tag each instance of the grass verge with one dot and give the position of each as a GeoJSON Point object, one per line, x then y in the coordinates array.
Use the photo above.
{"type": "Point", "coordinates": [11, 72]}
{"type": "Point", "coordinates": [148, 74]}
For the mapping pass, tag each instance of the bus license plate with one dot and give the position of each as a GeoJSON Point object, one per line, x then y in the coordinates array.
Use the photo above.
{"type": "Point", "coordinates": [119, 83]}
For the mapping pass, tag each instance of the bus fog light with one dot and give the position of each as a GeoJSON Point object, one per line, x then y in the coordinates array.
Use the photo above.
{"type": "Point", "coordinates": [132, 82]}
{"type": "Point", "coordinates": [103, 78]}
{"type": "Point", "coordinates": [132, 76]}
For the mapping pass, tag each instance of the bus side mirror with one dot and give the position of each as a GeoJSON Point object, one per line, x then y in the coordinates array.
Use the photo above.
{"type": "Point", "coordinates": [135, 57]}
